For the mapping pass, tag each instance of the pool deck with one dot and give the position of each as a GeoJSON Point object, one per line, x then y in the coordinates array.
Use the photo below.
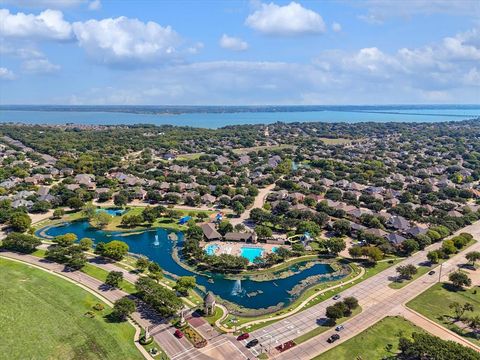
{"type": "Point", "coordinates": [235, 248]}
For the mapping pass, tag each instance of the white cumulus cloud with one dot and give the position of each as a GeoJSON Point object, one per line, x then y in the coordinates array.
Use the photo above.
{"type": "Point", "coordinates": [39, 66]}
{"type": "Point", "coordinates": [126, 41]}
{"type": "Point", "coordinates": [49, 25]}
{"type": "Point", "coordinates": [291, 19]}
{"type": "Point", "coordinates": [6, 74]}
{"type": "Point", "coordinates": [233, 43]}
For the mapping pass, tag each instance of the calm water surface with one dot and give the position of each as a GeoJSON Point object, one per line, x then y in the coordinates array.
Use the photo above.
{"type": "Point", "coordinates": [158, 247]}
{"type": "Point", "coordinates": [215, 120]}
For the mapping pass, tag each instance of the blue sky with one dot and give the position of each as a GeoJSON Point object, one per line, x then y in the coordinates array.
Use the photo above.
{"type": "Point", "coordinates": [239, 52]}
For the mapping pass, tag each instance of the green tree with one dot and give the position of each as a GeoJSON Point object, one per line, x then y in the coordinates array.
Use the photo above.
{"type": "Point", "coordinates": [75, 203]}
{"type": "Point", "coordinates": [263, 232]}
{"type": "Point", "coordinates": [406, 271]}
{"type": "Point", "coordinates": [409, 246]}
{"type": "Point", "coordinates": [309, 226]}
{"type": "Point", "coordinates": [122, 308]}
{"type": "Point", "coordinates": [473, 257]}
{"type": "Point", "coordinates": [459, 279]}
{"type": "Point", "coordinates": [185, 283]}
{"type": "Point", "coordinates": [351, 302]}
{"type": "Point", "coordinates": [114, 279]}
{"type": "Point", "coordinates": [433, 256]}
{"type": "Point", "coordinates": [120, 200]}
{"type": "Point", "coordinates": [21, 242]}
{"type": "Point", "coordinates": [142, 263]}
{"type": "Point", "coordinates": [102, 219]}
{"type": "Point", "coordinates": [355, 252]}
{"type": "Point", "coordinates": [20, 222]}
{"type": "Point", "coordinates": [65, 240]}
{"type": "Point", "coordinates": [334, 245]}
{"type": "Point", "coordinates": [58, 213]}
{"type": "Point", "coordinates": [115, 250]}
{"type": "Point", "coordinates": [86, 244]}
{"type": "Point", "coordinates": [161, 299]}
{"type": "Point", "coordinates": [448, 247]}
{"type": "Point", "coordinates": [90, 210]}
{"type": "Point", "coordinates": [238, 208]}
{"type": "Point", "coordinates": [373, 253]}
{"type": "Point", "coordinates": [225, 227]}
{"type": "Point", "coordinates": [341, 227]}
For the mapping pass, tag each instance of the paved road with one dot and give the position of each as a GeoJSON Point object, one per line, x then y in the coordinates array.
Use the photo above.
{"type": "Point", "coordinates": [375, 296]}
{"type": "Point", "coordinates": [257, 203]}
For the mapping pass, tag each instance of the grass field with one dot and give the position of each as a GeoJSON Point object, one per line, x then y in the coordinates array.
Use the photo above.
{"type": "Point", "coordinates": [339, 141]}
{"type": "Point", "coordinates": [42, 317]}
{"type": "Point", "coordinates": [372, 343]}
{"type": "Point", "coordinates": [434, 304]}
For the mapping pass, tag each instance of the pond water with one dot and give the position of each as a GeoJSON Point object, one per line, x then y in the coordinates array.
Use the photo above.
{"type": "Point", "coordinates": [158, 247]}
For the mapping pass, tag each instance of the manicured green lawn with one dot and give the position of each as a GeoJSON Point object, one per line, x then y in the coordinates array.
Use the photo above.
{"type": "Point", "coordinates": [371, 343]}
{"type": "Point", "coordinates": [217, 315]}
{"type": "Point", "coordinates": [42, 317]}
{"type": "Point", "coordinates": [434, 304]}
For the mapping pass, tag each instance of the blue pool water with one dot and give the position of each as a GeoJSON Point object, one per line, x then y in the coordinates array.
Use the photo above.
{"type": "Point", "coordinates": [113, 212]}
{"type": "Point", "coordinates": [210, 249]}
{"type": "Point", "coordinates": [251, 253]}
{"type": "Point", "coordinates": [157, 246]}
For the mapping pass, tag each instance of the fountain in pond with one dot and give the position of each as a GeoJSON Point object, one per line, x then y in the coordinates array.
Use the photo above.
{"type": "Point", "coordinates": [237, 287]}
{"type": "Point", "coordinates": [156, 242]}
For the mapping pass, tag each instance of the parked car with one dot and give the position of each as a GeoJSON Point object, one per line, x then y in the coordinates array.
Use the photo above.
{"type": "Point", "coordinates": [252, 343]}
{"type": "Point", "coordinates": [333, 338]}
{"type": "Point", "coordinates": [339, 328]}
{"type": "Point", "coordinates": [336, 297]}
{"type": "Point", "coordinates": [243, 336]}
{"type": "Point", "coordinates": [431, 272]}
{"type": "Point", "coordinates": [178, 334]}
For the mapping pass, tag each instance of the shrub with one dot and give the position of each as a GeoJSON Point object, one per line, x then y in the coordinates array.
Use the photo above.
{"type": "Point", "coordinates": [21, 242]}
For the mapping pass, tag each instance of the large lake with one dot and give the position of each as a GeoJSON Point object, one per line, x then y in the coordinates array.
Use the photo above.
{"type": "Point", "coordinates": [215, 120]}
{"type": "Point", "coordinates": [158, 247]}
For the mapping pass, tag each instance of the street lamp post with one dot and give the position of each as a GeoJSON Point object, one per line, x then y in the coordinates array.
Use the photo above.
{"type": "Point", "coordinates": [440, 273]}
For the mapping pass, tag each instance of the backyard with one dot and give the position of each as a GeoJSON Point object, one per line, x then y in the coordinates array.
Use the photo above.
{"type": "Point", "coordinates": [52, 312]}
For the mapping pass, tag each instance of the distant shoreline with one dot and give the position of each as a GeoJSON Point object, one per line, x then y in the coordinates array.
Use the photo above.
{"type": "Point", "coordinates": [220, 116]}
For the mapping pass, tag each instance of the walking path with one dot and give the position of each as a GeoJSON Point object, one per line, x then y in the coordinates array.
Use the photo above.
{"type": "Point", "coordinates": [377, 299]}
{"type": "Point", "coordinates": [257, 203]}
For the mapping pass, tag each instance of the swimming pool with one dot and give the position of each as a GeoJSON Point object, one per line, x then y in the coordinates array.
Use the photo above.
{"type": "Point", "coordinates": [210, 249]}
{"type": "Point", "coordinates": [251, 253]}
